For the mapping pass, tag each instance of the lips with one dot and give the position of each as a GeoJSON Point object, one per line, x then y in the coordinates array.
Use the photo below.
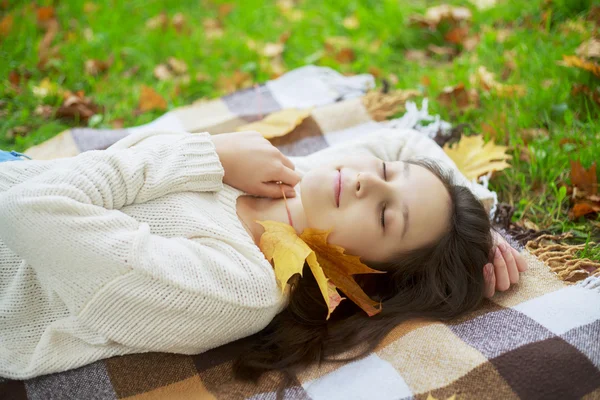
{"type": "Point", "coordinates": [337, 187]}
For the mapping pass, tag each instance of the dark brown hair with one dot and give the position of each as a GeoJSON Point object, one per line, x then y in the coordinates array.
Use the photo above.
{"type": "Point", "coordinates": [440, 281]}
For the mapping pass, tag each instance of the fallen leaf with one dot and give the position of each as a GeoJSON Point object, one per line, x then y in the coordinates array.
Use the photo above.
{"type": "Point", "coordinates": [474, 158]}
{"type": "Point", "coordinates": [76, 106]}
{"type": "Point", "coordinates": [460, 97]}
{"type": "Point", "coordinates": [150, 100]}
{"type": "Point", "coordinates": [288, 253]}
{"type": "Point", "coordinates": [483, 4]}
{"type": "Point", "coordinates": [89, 7]}
{"type": "Point", "coordinates": [162, 72]}
{"type": "Point", "coordinates": [212, 28]}
{"type": "Point", "coordinates": [583, 208]}
{"type": "Point", "coordinates": [574, 61]}
{"type": "Point", "coordinates": [415, 55]}
{"type": "Point", "coordinates": [179, 23]}
{"type": "Point", "coordinates": [339, 268]}
{"type": "Point", "coordinates": [239, 80]}
{"type": "Point", "coordinates": [46, 88]}
{"type": "Point", "coordinates": [485, 79]}
{"type": "Point", "coordinates": [449, 52]}
{"type": "Point", "coordinates": [225, 10]}
{"type": "Point", "coordinates": [530, 134]}
{"type": "Point", "coordinates": [118, 123]}
{"type": "Point", "coordinates": [178, 66]}
{"type": "Point", "coordinates": [345, 56]}
{"type": "Point", "coordinates": [351, 22]}
{"type": "Point", "coordinates": [589, 48]}
{"type": "Point", "coordinates": [44, 14]}
{"type": "Point", "coordinates": [457, 35]}
{"type": "Point", "coordinates": [594, 95]}
{"type": "Point", "coordinates": [380, 105]}
{"type": "Point", "coordinates": [160, 21]}
{"type": "Point", "coordinates": [272, 49]}
{"type": "Point", "coordinates": [583, 179]}
{"type": "Point", "coordinates": [6, 25]}
{"type": "Point", "coordinates": [43, 110]}
{"type": "Point", "coordinates": [96, 67]}
{"type": "Point", "coordinates": [434, 15]}
{"type": "Point", "coordinates": [279, 123]}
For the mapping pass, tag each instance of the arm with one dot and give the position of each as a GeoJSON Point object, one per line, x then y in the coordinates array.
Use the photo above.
{"type": "Point", "coordinates": [134, 287]}
{"type": "Point", "coordinates": [63, 220]}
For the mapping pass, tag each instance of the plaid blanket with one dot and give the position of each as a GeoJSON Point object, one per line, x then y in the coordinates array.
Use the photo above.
{"type": "Point", "coordinates": [538, 340]}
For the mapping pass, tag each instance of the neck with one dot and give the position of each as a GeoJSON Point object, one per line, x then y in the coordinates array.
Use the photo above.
{"type": "Point", "coordinates": [268, 209]}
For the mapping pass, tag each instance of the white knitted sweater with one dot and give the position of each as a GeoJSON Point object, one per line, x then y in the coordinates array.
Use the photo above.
{"type": "Point", "coordinates": [139, 248]}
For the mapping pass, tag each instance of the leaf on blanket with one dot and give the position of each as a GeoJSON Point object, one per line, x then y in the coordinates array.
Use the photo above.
{"type": "Point", "coordinates": [474, 158]}
{"type": "Point", "coordinates": [279, 123]}
{"type": "Point", "coordinates": [150, 100]}
{"type": "Point", "coordinates": [328, 263]}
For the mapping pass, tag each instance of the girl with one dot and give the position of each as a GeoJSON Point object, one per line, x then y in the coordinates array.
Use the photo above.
{"type": "Point", "coordinates": [151, 245]}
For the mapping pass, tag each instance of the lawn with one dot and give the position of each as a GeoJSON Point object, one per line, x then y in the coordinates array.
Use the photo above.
{"type": "Point", "coordinates": [547, 112]}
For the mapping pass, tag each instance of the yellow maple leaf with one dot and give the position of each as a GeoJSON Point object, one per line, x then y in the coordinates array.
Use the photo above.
{"type": "Point", "coordinates": [277, 124]}
{"type": "Point", "coordinates": [474, 158]}
{"type": "Point", "coordinates": [328, 263]}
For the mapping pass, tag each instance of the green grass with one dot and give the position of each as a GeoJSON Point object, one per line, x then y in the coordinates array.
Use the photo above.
{"type": "Point", "coordinates": [538, 42]}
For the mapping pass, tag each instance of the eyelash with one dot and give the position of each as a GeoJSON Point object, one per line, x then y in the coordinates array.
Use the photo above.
{"type": "Point", "coordinates": [383, 210]}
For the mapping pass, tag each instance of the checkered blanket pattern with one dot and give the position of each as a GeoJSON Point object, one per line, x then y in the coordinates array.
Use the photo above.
{"type": "Point", "coordinates": [538, 340]}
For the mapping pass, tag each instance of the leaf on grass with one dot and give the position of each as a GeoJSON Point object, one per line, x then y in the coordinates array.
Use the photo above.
{"type": "Point", "coordinates": [150, 100]}
{"type": "Point", "coordinates": [574, 61]}
{"type": "Point", "coordinates": [434, 15]}
{"type": "Point", "coordinates": [585, 180]}
{"type": "Point", "coordinates": [486, 80]}
{"type": "Point", "coordinates": [459, 96]}
{"type": "Point", "coordinates": [589, 49]}
{"type": "Point", "coordinates": [6, 24]}
{"type": "Point", "coordinates": [279, 123]}
{"type": "Point", "coordinates": [95, 67]}
{"type": "Point", "coordinates": [282, 246]}
{"type": "Point", "coordinates": [474, 158]}
{"type": "Point", "coordinates": [239, 80]}
{"type": "Point", "coordinates": [77, 107]}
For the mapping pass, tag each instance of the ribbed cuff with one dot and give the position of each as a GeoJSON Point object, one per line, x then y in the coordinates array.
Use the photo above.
{"type": "Point", "coordinates": [202, 167]}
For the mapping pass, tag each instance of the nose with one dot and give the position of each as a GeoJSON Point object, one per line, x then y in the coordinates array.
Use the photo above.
{"type": "Point", "coordinates": [368, 183]}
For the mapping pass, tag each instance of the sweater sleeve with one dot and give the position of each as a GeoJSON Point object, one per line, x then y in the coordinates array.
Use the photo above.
{"type": "Point", "coordinates": [398, 144]}
{"type": "Point", "coordinates": [66, 222]}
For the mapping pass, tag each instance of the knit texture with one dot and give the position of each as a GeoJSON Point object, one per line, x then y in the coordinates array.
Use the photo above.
{"type": "Point", "coordinates": [139, 248]}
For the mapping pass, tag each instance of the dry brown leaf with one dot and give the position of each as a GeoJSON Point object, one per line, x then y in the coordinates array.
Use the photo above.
{"type": "Point", "coordinates": [288, 253]}
{"type": "Point", "coordinates": [225, 10]}
{"type": "Point", "coordinates": [77, 107]}
{"type": "Point", "coordinates": [160, 21]}
{"type": "Point", "coordinates": [457, 35]}
{"type": "Point", "coordinates": [474, 158]}
{"type": "Point", "coordinates": [43, 110]}
{"type": "Point", "coordinates": [589, 49]}
{"type": "Point", "coordinates": [272, 49]}
{"type": "Point", "coordinates": [486, 80]}
{"type": "Point", "coordinates": [583, 208]}
{"type": "Point", "coordinates": [44, 14]}
{"type": "Point", "coordinates": [415, 55]}
{"type": "Point", "coordinates": [458, 96]}
{"type": "Point", "coordinates": [434, 15]}
{"type": "Point", "coordinates": [239, 80]}
{"type": "Point", "coordinates": [277, 124]}
{"type": "Point", "coordinates": [583, 179]}
{"type": "Point", "coordinates": [530, 134]}
{"type": "Point", "coordinates": [380, 105]}
{"type": "Point", "coordinates": [483, 4]}
{"type": "Point", "coordinates": [351, 22]}
{"type": "Point", "coordinates": [212, 28]}
{"type": "Point", "coordinates": [6, 24]}
{"type": "Point", "coordinates": [345, 56]}
{"type": "Point", "coordinates": [96, 67]}
{"type": "Point", "coordinates": [179, 67]}
{"type": "Point", "coordinates": [150, 100]}
{"type": "Point", "coordinates": [89, 7]}
{"type": "Point", "coordinates": [574, 61]}
{"type": "Point", "coordinates": [339, 268]}
{"type": "Point", "coordinates": [118, 123]}
{"type": "Point", "coordinates": [162, 72]}
{"type": "Point", "coordinates": [594, 95]}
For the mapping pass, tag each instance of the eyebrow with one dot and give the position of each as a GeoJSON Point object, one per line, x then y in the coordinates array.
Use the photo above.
{"type": "Point", "coordinates": [406, 171]}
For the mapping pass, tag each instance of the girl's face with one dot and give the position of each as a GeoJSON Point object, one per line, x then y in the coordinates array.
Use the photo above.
{"type": "Point", "coordinates": [414, 203]}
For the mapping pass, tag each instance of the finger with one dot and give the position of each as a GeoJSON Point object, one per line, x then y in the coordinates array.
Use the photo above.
{"type": "Point", "coordinates": [287, 162]}
{"type": "Point", "coordinates": [490, 281]}
{"type": "Point", "coordinates": [502, 279]}
{"type": "Point", "coordinates": [521, 263]}
{"type": "Point", "coordinates": [511, 264]}
{"type": "Point", "coordinates": [273, 190]}
{"type": "Point", "coordinates": [288, 176]}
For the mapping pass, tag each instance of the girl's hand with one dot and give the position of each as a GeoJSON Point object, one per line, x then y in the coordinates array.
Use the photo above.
{"type": "Point", "coordinates": [253, 164]}
{"type": "Point", "coordinates": [508, 262]}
